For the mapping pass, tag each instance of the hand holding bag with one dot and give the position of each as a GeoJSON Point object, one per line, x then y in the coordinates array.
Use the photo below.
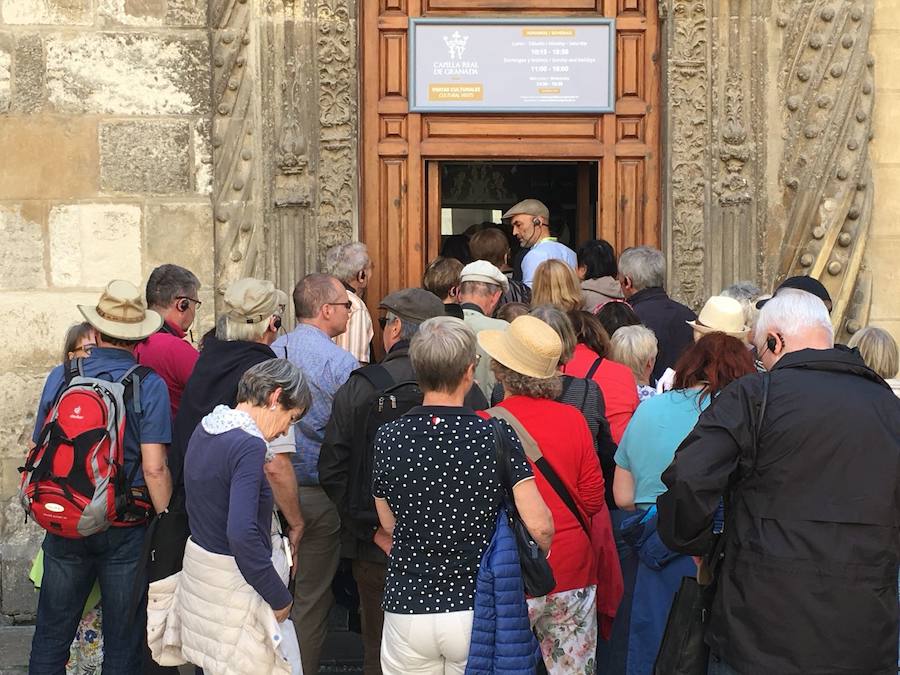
{"type": "Point", "coordinates": [536, 572]}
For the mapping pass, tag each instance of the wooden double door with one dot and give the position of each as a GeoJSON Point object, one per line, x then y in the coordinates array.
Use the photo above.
{"type": "Point", "coordinates": [403, 152]}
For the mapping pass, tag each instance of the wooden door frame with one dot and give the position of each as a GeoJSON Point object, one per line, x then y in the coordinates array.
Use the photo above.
{"type": "Point", "coordinates": [396, 144]}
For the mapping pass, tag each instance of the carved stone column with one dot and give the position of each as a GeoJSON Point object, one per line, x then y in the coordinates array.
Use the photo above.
{"type": "Point", "coordinates": [768, 122]}
{"type": "Point", "coordinates": [285, 135]}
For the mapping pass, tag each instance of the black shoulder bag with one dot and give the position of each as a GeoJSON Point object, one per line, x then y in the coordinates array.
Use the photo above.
{"type": "Point", "coordinates": [536, 572]}
{"type": "Point", "coordinates": [683, 650]}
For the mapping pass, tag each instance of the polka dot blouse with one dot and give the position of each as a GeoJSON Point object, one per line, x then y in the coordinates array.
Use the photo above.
{"type": "Point", "coordinates": [436, 468]}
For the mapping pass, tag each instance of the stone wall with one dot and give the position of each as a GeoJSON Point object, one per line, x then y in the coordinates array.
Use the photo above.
{"type": "Point", "coordinates": [105, 172]}
{"type": "Point", "coordinates": [884, 240]}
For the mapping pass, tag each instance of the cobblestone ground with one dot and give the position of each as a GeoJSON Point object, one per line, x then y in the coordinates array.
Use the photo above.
{"type": "Point", "coordinates": [15, 644]}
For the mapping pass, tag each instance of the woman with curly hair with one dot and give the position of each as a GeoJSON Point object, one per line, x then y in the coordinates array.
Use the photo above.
{"type": "Point", "coordinates": [525, 357]}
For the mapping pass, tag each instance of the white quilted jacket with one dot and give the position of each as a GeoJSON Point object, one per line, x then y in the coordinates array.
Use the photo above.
{"type": "Point", "coordinates": [208, 615]}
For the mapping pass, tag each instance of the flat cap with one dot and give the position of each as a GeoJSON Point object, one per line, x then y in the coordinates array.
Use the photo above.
{"type": "Point", "coordinates": [413, 304]}
{"type": "Point", "coordinates": [529, 207]}
{"type": "Point", "coordinates": [802, 283]}
{"type": "Point", "coordinates": [482, 270]}
{"type": "Point", "coordinates": [252, 300]}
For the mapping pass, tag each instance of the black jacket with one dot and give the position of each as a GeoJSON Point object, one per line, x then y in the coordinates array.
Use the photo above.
{"type": "Point", "coordinates": [809, 580]}
{"type": "Point", "coordinates": [339, 456]}
{"type": "Point", "coordinates": [213, 382]}
{"type": "Point", "coordinates": [668, 320]}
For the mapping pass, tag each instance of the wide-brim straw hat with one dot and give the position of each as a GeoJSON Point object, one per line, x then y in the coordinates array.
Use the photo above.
{"type": "Point", "coordinates": [121, 313]}
{"type": "Point", "coordinates": [721, 314]}
{"type": "Point", "coordinates": [527, 346]}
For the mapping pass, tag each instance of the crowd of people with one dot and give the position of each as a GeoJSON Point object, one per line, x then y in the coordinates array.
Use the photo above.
{"type": "Point", "coordinates": [556, 410]}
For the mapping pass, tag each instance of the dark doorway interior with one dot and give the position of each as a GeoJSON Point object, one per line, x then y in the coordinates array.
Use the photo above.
{"type": "Point", "coordinates": [474, 194]}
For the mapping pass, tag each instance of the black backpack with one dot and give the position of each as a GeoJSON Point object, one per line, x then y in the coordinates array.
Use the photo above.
{"type": "Point", "coordinates": [388, 402]}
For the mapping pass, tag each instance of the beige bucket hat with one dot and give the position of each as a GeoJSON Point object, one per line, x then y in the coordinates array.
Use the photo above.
{"type": "Point", "coordinates": [252, 300]}
{"type": "Point", "coordinates": [121, 313]}
{"type": "Point", "coordinates": [721, 315]}
{"type": "Point", "coordinates": [528, 346]}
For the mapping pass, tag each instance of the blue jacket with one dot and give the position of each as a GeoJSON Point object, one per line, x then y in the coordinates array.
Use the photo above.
{"type": "Point", "coordinates": [502, 641]}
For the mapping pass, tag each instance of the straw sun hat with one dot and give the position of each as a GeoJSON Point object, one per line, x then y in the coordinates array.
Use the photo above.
{"type": "Point", "coordinates": [121, 313]}
{"type": "Point", "coordinates": [721, 315]}
{"type": "Point", "coordinates": [527, 346]}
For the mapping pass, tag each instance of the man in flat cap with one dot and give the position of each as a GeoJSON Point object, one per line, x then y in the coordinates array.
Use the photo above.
{"type": "Point", "coordinates": [530, 221]}
{"type": "Point", "coordinates": [345, 459]}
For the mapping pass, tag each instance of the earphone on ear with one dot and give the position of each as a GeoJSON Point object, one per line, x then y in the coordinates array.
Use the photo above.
{"type": "Point", "coordinates": [771, 343]}
{"type": "Point", "coordinates": [183, 305]}
{"type": "Point", "coordinates": [536, 221]}
{"type": "Point", "coordinates": [276, 322]}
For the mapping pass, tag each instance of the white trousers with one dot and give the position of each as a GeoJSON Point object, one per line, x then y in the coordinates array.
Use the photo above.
{"type": "Point", "coordinates": [430, 644]}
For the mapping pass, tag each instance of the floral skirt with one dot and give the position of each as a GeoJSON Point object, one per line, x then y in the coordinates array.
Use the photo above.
{"type": "Point", "coordinates": [566, 626]}
{"type": "Point", "coordinates": [86, 653]}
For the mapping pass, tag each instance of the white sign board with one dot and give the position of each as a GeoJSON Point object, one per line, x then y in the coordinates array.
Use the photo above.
{"type": "Point", "coordinates": [512, 65]}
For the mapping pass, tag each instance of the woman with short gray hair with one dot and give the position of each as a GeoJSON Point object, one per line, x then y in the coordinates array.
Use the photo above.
{"type": "Point", "coordinates": [229, 503]}
{"type": "Point", "coordinates": [437, 493]}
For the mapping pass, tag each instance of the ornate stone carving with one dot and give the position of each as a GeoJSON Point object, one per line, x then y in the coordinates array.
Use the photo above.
{"type": "Point", "coordinates": [826, 93]}
{"type": "Point", "coordinates": [688, 122]}
{"type": "Point", "coordinates": [337, 72]}
{"type": "Point", "coordinates": [236, 150]}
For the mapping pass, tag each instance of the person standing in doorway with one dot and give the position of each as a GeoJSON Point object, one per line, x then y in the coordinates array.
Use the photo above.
{"type": "Point", "coordinates": [322, 309]}
{"type": "Point", "coordinates": [531, 226]}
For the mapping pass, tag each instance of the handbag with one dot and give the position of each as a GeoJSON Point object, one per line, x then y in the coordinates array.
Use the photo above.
{"type": "Point", "coordinates": [683, 649]}
{"type": "Point", "coordinates": [537, 575]}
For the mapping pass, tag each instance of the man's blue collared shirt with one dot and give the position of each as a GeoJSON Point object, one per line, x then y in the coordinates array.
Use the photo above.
{"type": "Point", "coordinates": [326, 367]}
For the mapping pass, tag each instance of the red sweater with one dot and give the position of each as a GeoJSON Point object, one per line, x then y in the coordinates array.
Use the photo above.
{"type": "Point", "coordinates": [616, 382]}
{"type": "Point", "coordinates": [173, 359]}
{"type": "Point", "coordinates": [565, 441]}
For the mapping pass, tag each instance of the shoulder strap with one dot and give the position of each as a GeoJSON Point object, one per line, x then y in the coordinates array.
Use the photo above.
{"type": "Point", "coordinates": [593, 368]}
{"type": "Point", "coordinates": [533, 452]}
{"type": "Point", "coordinates": [377, 375]}
{"type": "Point", "coordinates": [74, 368]}
{"type": "Point", "coordinates": [131, 380]}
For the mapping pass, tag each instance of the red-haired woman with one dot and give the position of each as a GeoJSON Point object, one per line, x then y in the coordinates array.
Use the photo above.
{"type": "Point", "coordinates": [658, 427]}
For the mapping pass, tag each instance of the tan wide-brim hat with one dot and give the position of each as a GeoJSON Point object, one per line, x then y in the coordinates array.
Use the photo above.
{"type": "Point", "coordinates": [121, 313]}
{"type": "Point", "coordinates": [721, 315]}
{"type": "Point", "coordinates": [527, 346]}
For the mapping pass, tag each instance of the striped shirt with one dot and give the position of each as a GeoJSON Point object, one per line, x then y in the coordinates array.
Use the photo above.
{"type": "Point", "coordinates": [359, 331]}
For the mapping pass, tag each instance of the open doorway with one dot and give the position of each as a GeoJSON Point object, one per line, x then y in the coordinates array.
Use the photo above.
{"type": "Point", "coordinates": [465, 196]}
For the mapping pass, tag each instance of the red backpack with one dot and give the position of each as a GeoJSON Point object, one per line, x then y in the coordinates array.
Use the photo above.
{"type": "Point", "coordinates": [73, 482]}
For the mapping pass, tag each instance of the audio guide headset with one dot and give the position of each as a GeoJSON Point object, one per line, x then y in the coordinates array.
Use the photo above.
{"type": "Point", "coordinates": [772, 342]}
{"type": "Point", "coordinates": [276, 322]}
{"type": "Point", "coordinates": [183, 305]}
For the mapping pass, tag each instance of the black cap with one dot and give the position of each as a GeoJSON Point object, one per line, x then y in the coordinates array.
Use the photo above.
{"type": "Point", "coordinates": [413, 304]}
{"type": "Point", "coordinates": [803, 283]}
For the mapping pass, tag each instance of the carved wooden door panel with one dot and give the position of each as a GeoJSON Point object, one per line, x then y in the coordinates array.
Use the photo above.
{"type": "Point", "coordinates": [396, 144]}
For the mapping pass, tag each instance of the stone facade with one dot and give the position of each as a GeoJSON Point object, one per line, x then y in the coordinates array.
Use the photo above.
{"type": "Point", "coordinates": [104, 136]}
{"type": "Point", "coordinates": [224, 137]}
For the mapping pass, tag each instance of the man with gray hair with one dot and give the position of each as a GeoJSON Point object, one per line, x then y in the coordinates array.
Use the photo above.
{"type": "Point", "coordinates": [807, 459]}
{"type": "Point", "coordinates": [480, 286]}
{"type": "Point", "coordinates": [642, 275]}
{"type": "Point", "coordinates": [346, 457]}
{"type": "Point", "coordinates": [322, 308]}
{"type": "Point", "coordinates": [351, 264]}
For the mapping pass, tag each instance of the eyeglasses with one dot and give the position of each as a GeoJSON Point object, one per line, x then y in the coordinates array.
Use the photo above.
{"type": "Point", "coordinates": [87, 348]}
{"type": "Point", "coordinates": [187, 297]}
{"type": "Point", "coordinates": [348, 305]}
